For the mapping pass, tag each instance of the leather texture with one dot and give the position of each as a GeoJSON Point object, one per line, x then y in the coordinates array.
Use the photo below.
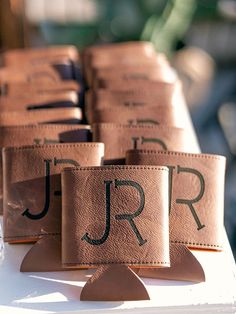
{"type": "Point", "coordinates": [118, 138]}
{"type": "Point", "coordinates": [37, 116]}
{"type": "Point", "coordinates": [60, 99]}
{"type": "Point", "coordinates": [125, 216]}
{"type": "Point", "coordinates": [114, 283]}
{"type": "Point", "coordinates": [32, 186]}
{"type": "Point", "coordinates": [17, 89]}
{"type": "Point", "coordinates": [36, 74]}
{"type": "Point", "coordinates": [167, 115]}
{"type": "Point", "coordinates": [36, 56]}
{"type": "Point", "coordinates": [15, 136]}
{"type": "Point", "coordinates": [196, 194]}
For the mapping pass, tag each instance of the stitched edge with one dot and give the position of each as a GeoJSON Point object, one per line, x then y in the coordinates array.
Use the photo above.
{"type": "Point", "coordinates": [112, 167]}
{"type": "Point", "coordinates": [31, 235]}
{"type": "Point", "coordinates": [127, 262]}
{"type": "Point", "coordinates": [198, 244]}
{"type": "Point", "coordinates": [46, 146]}
{"type": "Point", "coordinates": [156, 152]}
{"type": "Point", "coordinates": [140, 126]}
{"type": "Point", "coordinates": [47, 126]}
{"type": "Point", "coordinates": [72, 109]}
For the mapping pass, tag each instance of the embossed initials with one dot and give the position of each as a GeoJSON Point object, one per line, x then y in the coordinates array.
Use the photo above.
{"type": "Point", "coordinates": [188, 202]}
{"type": "Point", "coordinates": [135, 141]}
{"type": "Point", "coordinates": [129, 217]}
{"type": "Point", "coordinates": [44, 212]}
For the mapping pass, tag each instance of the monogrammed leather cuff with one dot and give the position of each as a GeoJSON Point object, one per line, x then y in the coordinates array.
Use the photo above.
{"type": "Point", "coordinates": [167, 115]}
{"type": "Point", "coordinates": [39, 116]}
{"type": "Point", "coordinates": [60, 99]}
{"type": "Point", "coordinates": [36, 56]}
{"type": "Point", "coordinates": [196, 183]}
{"type": "Point", "coordinates": [125, 216]}
{"type": "Point", "coordinates": [14, 136]}
{"type": "Point", "coordinates": [118, 138]}
{"type": "Point", "coordinates": [32, 186]}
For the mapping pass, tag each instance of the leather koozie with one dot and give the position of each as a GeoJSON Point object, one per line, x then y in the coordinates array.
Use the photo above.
{"type": "Point", "coordinates": [60, 99]}
{"type": "Point", "coordinates": [118, 138]}
{"type": "Point", "coordinates": [32, 197]}
{"type": "Point", "coordinates": [115, 218]}
{"type": "Point", "coordinates": [37, 116]}
{"type": "Point", "coordinates": [167, 115]}
{"type": "Point", "coordinates": [14, 136]}
{"type": "Point", "coordinates": [196, 184]}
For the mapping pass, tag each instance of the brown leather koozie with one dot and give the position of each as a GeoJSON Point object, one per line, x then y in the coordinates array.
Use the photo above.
{"type": "Point", "coordinates": [36, 56]}
{"type": "Point", "coordinates": [14, 136]}
{"type": "Point", "coordinates": [124, 223]}
{"type": "Point", "coordinates": [37, 116]}
{"type": "Point", "coordinates": [196, 183]}
{"type": "Point", "coordinates": [168, 115]}
{"type": "Point", "coordinates": [20, 89]}
{"type": "Point", "coordinates": [118, 138]}
{"type": "Point", "coordinates": [60, 99]}
{"type": "Point", "coordinates": [32, 195]}
{"type": "Point", "coordinates": [36, 74]}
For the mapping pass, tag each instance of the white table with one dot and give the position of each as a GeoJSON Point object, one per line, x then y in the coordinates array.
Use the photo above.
{"type": "Point", "coordinates": [59, 292]}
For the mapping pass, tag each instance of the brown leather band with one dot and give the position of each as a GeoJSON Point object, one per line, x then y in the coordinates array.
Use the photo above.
{"type": "Point", "coordinates": [16, 89]}
{"type": "Point", "coordinates": [167, 115]}
{"type": "Point", "coordinates": [123, 216]}
{"type": "Point", "coordinates": [45, 73]}
{"type": "Point", "coordinates": [196, 184]}
{"type": "Point", "coordinates": [32, 186]}
{"type": "Point", "coordinates": [57, 115]}
{"type": "Point", "coordinates": [35, 56]}
{"type": "Point", "coordinates": [14, 136]}
{"type": "Point", "coordinates": [60, 99]}
{"type": "Point", "coordinates": [118, 138]}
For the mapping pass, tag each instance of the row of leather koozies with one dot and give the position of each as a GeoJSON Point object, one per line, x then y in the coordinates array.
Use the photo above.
{"type": "Point", "coordinates": [141, 216]}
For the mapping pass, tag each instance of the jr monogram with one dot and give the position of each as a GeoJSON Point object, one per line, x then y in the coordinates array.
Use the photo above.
{"type": "Point", "coordinates": [47, 162]}
{"type": "Point", "coordinates": [143, 140]}
{"type": "Point", "coordinates": [188, 202]}
{"type": "Point", "coordinates": [129, 217]}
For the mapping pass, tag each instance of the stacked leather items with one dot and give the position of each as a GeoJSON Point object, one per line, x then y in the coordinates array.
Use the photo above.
{"type": "Point", "coordinates": [135, 202]}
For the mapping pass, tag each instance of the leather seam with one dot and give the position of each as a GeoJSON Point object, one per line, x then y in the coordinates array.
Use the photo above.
{"type": "Point", "coordinates": [194, 243]}
{"type": "Point", "coordinates": [125, 262]}
{"type": "Point", "coordinates": [140, 126]}
{"type": "Point", "coordinates": [116, 167]}
{"type": "Point", "coordinates": [201, 156]}
{"type": "Point", "coordinates": [30, 235]}
{"type": "Point", "coordinates": [43, 126]}
{"type": "Point", "coordinates": [46, 146]}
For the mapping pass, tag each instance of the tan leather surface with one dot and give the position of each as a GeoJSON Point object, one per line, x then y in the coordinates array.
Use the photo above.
{"type": "Point", "coordinates": [32, 186]}
{"type": "Point", "coordinates": [23, 103]}
{"type": "Point", "coordinates": [168, 115]}
{"type": "Point", "coordinates": [197, 195]}
{"type": "Point", "coordinates": [62, 115]}
{"type": "Point", "coordinates": [114, 283]}
{"type": "Point", "coordinates": [14, 136]}
{"type": "Point", "coordinates": [110, 80]}
{"type": "Point", "coordinates": [36, 56]}
{"type": "Point", "coordinates": [36, 74]}
{"type": "Point", "coordinates": [21, 89]}
{"type": "Point", "coordinates": [118, 138]}
{"type": "Point", "coordinates": [115, 215]}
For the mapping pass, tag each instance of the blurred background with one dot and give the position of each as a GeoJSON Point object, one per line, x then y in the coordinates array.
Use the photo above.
{"type": "Point", "coordinates": [198, 36]}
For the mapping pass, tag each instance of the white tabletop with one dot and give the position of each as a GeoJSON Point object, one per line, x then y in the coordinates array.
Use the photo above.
{"type": "Point", "coordinates": [59, 292]}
